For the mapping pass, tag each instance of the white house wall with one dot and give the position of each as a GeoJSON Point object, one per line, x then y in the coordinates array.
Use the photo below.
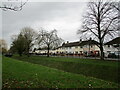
{"type": "Point", "coordinates": [109, 49]}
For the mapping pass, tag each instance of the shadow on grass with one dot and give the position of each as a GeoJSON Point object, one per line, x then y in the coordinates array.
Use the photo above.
{"type": "Point", "coordinates": [108, 73]}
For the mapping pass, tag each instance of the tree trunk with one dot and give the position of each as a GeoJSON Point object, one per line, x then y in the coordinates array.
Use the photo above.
{"type": "Point", "coordinates": [101, 50]}
{"type": "Point", "coordinates": [28, 51]}
{"type": "Point", "coordinates": [102, 53]}
{"type": "Point", "coordinates": [28, 54]}
{"type": "Point", "coordinates": [99, 35]}
{"type": "Point", "coordinates": [20, 54]}
{"type": "Point", "coordinates": [48, 51]}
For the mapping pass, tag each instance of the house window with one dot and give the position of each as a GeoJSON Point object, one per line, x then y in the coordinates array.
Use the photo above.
{"type": "Point", "coordinates": [76, 47]}
{"type": "Point", "coordinates": [91, 46]}
{"type": "Point", "coordinates": [80, 52]}
{"type": "Point", "coordinates": [81, 47]}
{"type": "Point", "coordinates": [85, 46]}
{"type": "Point", "coordinates": [76, 52]}
{"type": "Point", "coordinates": [108, 51]}
{"type": "Point", "coordinates": [108, 45]}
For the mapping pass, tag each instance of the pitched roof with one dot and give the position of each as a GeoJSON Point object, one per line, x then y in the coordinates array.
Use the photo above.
{"type": "Point", "coordinates": [71, 44]}
{"type": "Point", "coordinates": [114, 41]}
{"type": "Point", "coordinates": [82, 43]}
{"type": "Point", "coordinates": [91, 42]}
{"type": "Point", "coordinates": [58, 47]}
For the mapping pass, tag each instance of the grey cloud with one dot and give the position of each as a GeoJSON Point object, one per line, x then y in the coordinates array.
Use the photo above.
{"type": "Point", "coordinates": [60, 15]}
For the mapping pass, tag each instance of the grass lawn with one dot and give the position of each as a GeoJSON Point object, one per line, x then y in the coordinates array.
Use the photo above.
{"type": "Point", "coordinates": [106, 70]}
{"type": "Point", "coordinates": [17, 74]}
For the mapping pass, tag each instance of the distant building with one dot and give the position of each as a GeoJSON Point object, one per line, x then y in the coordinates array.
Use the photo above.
{"type": "Point", "coordinates": [43, 51]}
{"type": "Point", "coordinates": [112, 46]}
{"type": "Point", "coordinates": [83, 48]}
{"type": "Point", "coordinates": [79, 48]}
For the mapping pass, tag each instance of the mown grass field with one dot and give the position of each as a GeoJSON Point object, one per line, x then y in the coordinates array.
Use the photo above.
{"type": "Point", "coordinates": [43, 72]}
{"type": "Point", "coordinates": [106, 70]}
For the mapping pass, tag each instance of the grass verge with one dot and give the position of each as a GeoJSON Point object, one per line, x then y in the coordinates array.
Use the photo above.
{"type": "Point", "coordinates": [106, 70]}
{"type": "Point", "coordinates": [19, 74]}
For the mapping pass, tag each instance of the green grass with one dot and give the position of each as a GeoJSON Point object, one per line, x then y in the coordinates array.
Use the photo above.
{"type": "Point", "coordinates": [19, 74]}
{"type": "Point", "coordinates": [106, 70]}
{"type": "Point", "coordinates": [69, 59]}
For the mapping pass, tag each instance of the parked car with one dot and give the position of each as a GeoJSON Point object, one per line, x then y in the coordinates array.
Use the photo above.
{"type": "Point", "coordinates": [117, 54]}
{"type": "Point", "coordinates": [114, 55]}
{"type": "Point", "coordinates": [89, 54]}
{"type": "Point", "coordinates": [8, 55]}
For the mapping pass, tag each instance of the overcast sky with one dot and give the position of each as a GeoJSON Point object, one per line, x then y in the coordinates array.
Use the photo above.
{"type": "Point", "coordinates": [66, 17]}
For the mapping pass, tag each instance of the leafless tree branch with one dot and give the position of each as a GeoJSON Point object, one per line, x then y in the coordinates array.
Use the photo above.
{"type": "Point", "coordinates": [101, 20]}
{"type": "Point", "coordinates": [13, 8]}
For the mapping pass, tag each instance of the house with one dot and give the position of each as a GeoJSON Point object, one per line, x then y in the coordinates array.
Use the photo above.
{"type": "Point", "coordinates": [79, 48]}
{"type": "Point", "coordinates": [112, 46]}
{"type": "Point", "coordinates": [41, 51]}
{"type": "Point", "coordinates": [82, 48]}
{"type": "Point", "coordinates": [44, 51]}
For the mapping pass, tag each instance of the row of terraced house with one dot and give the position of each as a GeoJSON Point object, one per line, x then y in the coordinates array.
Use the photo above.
{"type": "Point", "coordinates": [84, 48]}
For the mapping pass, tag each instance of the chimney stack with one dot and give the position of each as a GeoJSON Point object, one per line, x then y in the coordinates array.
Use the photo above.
{"type": "Point", "coordinates": [80, 40]}
{"type": "Point", "coordinates": [67, 42]}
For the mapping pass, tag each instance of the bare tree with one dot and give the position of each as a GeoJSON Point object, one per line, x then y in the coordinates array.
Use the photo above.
{"type": "Point", "coordinates": [116, 5]}
{"type": "Point", "coordinates": [49, 39]}
{"type": "Point", "coordinates": [13, 7]}
{"type": "Point", "coordinates": [29, 35]}
{"type": "Point", "coordinates": [100, 21]}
